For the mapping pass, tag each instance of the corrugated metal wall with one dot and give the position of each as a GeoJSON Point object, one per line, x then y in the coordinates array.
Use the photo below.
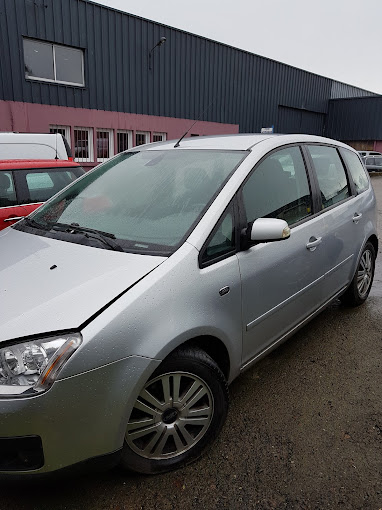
{"type": "Point", "coordinates": [342, 90]}
{"type": "Point", "coordinates": [190, 74]}
{"type": "Point", "coordinates": [355, 119]}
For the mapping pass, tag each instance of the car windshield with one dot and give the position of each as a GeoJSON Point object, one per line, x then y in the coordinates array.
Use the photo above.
{"type": "Point", "coordinates": [149, 201]}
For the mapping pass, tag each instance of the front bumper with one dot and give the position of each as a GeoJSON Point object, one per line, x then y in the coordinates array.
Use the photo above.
{"type": "Point", "coordinates": [79, 417]}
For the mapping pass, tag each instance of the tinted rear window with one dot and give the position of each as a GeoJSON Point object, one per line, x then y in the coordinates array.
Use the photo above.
{"type": "Point", "coordinates": [40, 184]}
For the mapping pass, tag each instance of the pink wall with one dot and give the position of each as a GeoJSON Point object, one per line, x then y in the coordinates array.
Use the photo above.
{"type": "Point", "coordinates": [36, 118]}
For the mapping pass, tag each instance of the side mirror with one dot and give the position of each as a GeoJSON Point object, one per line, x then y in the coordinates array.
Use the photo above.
{"type": "Point", "coordinates": [268, 229]}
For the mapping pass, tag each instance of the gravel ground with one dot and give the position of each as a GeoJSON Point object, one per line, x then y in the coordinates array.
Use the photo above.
{"type": "Point", "coordinates": [304, 431]}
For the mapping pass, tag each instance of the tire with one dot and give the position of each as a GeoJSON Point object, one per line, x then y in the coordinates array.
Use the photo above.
{"type": "Point", "coordinates": [178, 413]}
{"type": "Point", "coordinates": [359, 289]}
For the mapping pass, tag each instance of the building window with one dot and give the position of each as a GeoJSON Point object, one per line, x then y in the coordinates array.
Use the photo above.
{"type": "Point", "coordinates": [61, 130]}
{"type": "Point", "coordinates": [83, 144]}
{"type": "Point", "coordinates": [54, 63]}
{"type": "Point", "coordinates": [104, 144]}
{"type": "Point", "coordinates": [159, 137]}
{"type": "Point", "coordinates": [141, 137]}
{"type": "Point", "coordinates": [124, 140]}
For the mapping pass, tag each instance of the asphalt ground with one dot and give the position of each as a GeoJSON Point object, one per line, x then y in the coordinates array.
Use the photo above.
{"type": "Point", "coordinates": [304, 431]}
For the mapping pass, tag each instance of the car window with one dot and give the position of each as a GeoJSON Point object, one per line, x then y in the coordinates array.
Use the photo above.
{"type": "Point", "coordinates": [330, 174]}
{"type": "Point", "coordinates": [223, 240]}
{"type": "Point", "coordinates": [7, 190]}
{"type": "Point", "coordinates": [279, 188]}
{"type": "Point", "coordinates": [369, 161]}
{"type": "Point", "coordinates": [357, 170]}
{"type": "Point", "coordinates": [149, 200]}
{"type": "Point", "coordinates": [378, 161]}
{"type": "Point", "coordinates": [42, 184]}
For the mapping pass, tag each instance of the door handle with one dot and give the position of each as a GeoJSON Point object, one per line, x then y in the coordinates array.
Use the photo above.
{"type": "Point", "coordinates": [357, 217]}
{"type": "Point", "coordinates": [313, 243]}
{"type": "Point", "coordinates": [14, 218]}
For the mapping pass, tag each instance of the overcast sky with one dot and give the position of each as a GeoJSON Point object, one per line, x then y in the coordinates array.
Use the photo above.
{"type": "Point", "coordinates": [333, 38]}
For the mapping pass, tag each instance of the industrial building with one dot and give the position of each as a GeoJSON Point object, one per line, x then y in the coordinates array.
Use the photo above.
{"type": "Point", "coordinates": [109, 81]}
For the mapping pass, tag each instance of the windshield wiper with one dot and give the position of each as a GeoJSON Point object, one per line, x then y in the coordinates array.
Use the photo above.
{"type": "Point", "coordinates": [36, 224]}
{"type": "Point", "coordinates": [90, 233]}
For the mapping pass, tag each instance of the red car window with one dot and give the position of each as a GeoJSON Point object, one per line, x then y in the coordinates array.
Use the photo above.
{"type": "Point", "coordinates": [39, 184]}
{"type": "Point", "coordinates": [7, 190]}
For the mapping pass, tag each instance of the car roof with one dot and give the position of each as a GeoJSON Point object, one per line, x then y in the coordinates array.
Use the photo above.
{"type": "Point", "coordinates": [236, 141]}
{"type": "Point", "coordinates": [14, 164]}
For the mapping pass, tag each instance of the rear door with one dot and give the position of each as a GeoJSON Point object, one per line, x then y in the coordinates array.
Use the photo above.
{"type": "Point", "coordinates": [340, 213]}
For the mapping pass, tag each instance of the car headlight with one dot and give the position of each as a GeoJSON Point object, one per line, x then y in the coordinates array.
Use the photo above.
{"type": "Point", "coordinates": [27, 368]}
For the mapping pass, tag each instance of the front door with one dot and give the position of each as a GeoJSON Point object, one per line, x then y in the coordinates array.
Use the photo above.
{"type": "Point", "coordinates": [282, 281]}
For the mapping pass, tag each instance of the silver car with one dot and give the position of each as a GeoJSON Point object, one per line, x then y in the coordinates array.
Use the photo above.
{"type": "Point", "coordinates": [130, 300]}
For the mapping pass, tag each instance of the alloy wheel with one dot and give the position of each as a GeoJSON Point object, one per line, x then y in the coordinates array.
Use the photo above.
{"type": "Point", "coordinates": [171, 414]}
{"type": "Point", "coordinates": [365, 273]}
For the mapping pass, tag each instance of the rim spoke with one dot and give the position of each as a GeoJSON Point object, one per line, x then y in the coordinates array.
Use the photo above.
{"type": "Point", "coordinates": [176, 387]}
{"type": "Point", "coordinates": [157, 428]}
{"type": "Point", "coordinates": [195, 421]}
{"type": "Point", "coordinates": [186, 435]}
{"type": "Point", "coordinates": [146, 409]}
{"type": "Point", "coordinates": [194, 413]}
{"type": "Point", "coordinates": [151, 400]}
{"type": "Point", "coordinates": [178, 442]}
{"type": "Point", "coordinates": [195, 385]}
{"type": "Point", "coordinates": [368, 260]}
{"type": "Point", "coordinates": [202, 391]}
{"type": "Point", "coordinates": [139, 424]}
{"type": "Point", "coordinates": [148, 448]}
{"type": "Point", "coordinates": [166, 390]}
{"type": "Point", "coordinates": [162, 443]}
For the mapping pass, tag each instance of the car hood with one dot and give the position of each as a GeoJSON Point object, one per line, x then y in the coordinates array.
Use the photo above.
{"type": "Point", "coordinates": [51, 285]}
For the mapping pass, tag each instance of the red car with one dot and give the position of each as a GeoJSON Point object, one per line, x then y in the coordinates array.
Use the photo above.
{"type": "Point", "coordinates": [26, 184]}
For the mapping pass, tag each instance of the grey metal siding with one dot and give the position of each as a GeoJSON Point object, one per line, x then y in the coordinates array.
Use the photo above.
{"type": "Point", "coordinates": [355, 119]}
{"type": "Point", "coordinates": [191, 76]}
{"type": "Point", "coordinates": [342, 90]}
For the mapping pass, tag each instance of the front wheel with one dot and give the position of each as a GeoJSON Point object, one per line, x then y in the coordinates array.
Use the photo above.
{"type": "Point", "coordinates": [178, 413]}
{"type": "Point", "coordinates": [359, 289]}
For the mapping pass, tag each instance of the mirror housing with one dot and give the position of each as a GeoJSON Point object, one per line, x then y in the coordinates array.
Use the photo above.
{"type": "Point", "coordinates": [269, 229]}
{"type": "Point", "coordinates": [264, 230]}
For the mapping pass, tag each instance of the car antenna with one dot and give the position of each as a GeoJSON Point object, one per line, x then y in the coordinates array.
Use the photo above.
{"type": "Point", "coordinates": [56, 147]}
{"type": "Point", "coordinates": [193, 124]}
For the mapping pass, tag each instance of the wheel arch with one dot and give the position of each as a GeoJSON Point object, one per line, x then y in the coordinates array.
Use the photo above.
{"type": "Point", "coordinates": [373, 239]}
{"type": "Point", "coordinates": [214, 347]}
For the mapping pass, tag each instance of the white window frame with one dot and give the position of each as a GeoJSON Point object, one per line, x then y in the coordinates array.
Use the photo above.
{"type": "Point", "coordinates": [66, 130]}
{"type": "Point", "coordinates": [162, 135]}
{"type": "Point", "coordinates": [110, 140]}
{"type": "Point", "coordinates": [90, 158]}
{"type": "Point", "coordinates": [129, 138]}
{"type": "Point", "coordinates": [36, 78]}
{"type": "Point", "coordinates": [145, 133]}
